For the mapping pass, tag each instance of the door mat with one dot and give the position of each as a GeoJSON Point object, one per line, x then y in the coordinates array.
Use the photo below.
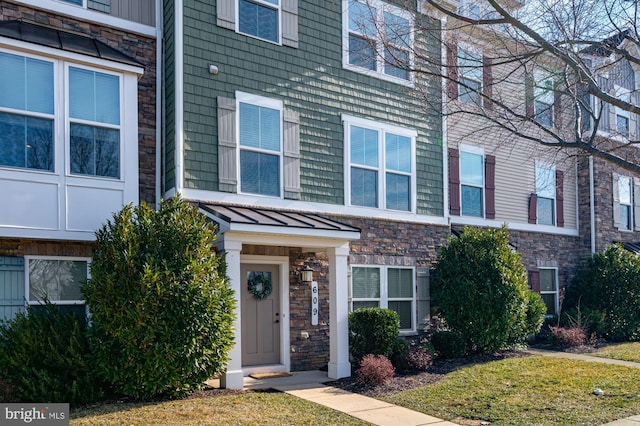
{"type": "Point", "coordinates": [269, 375]}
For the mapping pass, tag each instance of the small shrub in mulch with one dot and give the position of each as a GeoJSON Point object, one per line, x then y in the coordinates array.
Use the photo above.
{"type": "Point", "coordinates": [419, 359]}
{"type": "Point", "coordinates": [375, 370]}
{"type": "Point", "coordinates": [565, 337]}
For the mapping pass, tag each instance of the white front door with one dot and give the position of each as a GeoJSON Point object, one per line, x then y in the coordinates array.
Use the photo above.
{"type": "Point", "coordinates": [261, 315]}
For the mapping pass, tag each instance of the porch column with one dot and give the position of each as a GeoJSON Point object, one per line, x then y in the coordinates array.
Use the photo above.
{"type": "Point", "coordinates": [233, 378]}
{"type": "Point", "coordinates": [339, 365]}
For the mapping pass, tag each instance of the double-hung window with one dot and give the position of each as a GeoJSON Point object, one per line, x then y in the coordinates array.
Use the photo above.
{"type": "Point", "coordinates": [470, 70]}
{"type": "Point", "coordinates": [94, 114]}
{"type": "Point", "coordinates": [624, 202]}
{"type": "Point", "coordinates": [471, 183]}
{"type": "Point", "coordinates": [260, 19]}
{"type": "Point", "coordinates": [549, 289]}
{"type": "Point", "coordinates": [58, 280]}
{"type": "Point", "coordinates": [378, 39]}
{"type": "Point", "coordinates": [543, 93]}
{"type": "Point", "coordinates": [622, 116]}
{"type": "Point", "coordinates": [546, 191]}
{"type": "Point", "coordinates": [381, 166]}
{"type": "Point", "coordinates": [260, 131]}
{"type": "Point", "coordinates": [385, 287]}
{"type": "Point", "coordinates": [26, 112]}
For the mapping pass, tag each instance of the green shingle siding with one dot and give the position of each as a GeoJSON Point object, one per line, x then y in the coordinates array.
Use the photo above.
{"type": "Point", "coordinates": [311, 81]}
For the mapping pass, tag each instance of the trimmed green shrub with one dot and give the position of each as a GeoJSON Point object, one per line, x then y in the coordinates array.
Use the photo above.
{"type": "Point", "coordinates": [449, 344]}
{"type": "Point", "coordinates": [373, 331]}
{"type": "Point", "coordinates": [162, 312]}
{"type": "Point", "coordinates": [480, 289]}
{"type": "Point", "coordinates": [374, 370]}
{"type": "Point", "coordinates": [607, 291]}
{"type": "Point", "coordinates": [44, 357]}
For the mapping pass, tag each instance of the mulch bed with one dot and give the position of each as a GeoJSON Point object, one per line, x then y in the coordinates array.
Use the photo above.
{"type": "Point", "coordinates": [405, 380]}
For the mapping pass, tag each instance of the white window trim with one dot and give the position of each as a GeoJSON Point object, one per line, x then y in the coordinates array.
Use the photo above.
{"type": "Point", "coordinates": [258, 100]}
{"type": "Point", "coordinates": [552, 167]}
{"type": "Point", "coordinates": [384, 300]}
{"type": "Point", "coordinates": [27, 295]}
{"type": "Point", "coordinates": [474, 50]}
{"type": "Point", "coordinates": [479, 151]}
{"type": "Point", "coordinates": [83, 5]}
{"type": "Point", "coordinates": [381, 7]}
{"type": "Point", "coordinates": [278, 9]}
{"type": "Point", "coordinates": [556, 293]}
{"type": "Point", "coordinates": [382, 129]}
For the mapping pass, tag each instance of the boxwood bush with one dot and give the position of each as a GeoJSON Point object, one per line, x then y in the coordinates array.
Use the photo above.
{"type": "Point", "coordinates": [162, 312]}
{"type": "Point", "coordinates": [374, 331]}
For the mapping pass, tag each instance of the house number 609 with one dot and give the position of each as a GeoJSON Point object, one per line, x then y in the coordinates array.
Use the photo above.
{"type": "Point", "coordinates": [314, 303]}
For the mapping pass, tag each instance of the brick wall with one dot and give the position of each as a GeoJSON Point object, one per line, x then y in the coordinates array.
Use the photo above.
{"type": "Point", "coordinates": [142, 49]}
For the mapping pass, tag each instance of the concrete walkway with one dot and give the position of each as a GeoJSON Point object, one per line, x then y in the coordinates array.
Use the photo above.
{"type": "Point", "coordinates": [309, 385]}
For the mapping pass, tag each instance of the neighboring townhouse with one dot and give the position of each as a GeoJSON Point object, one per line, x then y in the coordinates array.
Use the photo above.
{"type": "Point", "coordinates": [77, 137]}
{"type": "Point", "coordinates": [311, 152]}
{"type": "Point", "coordinates": [496, 175]}
{"type": "Point", "coordinates": [610, 194]}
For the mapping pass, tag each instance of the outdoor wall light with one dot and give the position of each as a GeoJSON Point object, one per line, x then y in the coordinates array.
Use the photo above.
{"type": "Point", "coordinates": [306, 275]}
{"type": "Point", "coordinates": [213, 69]}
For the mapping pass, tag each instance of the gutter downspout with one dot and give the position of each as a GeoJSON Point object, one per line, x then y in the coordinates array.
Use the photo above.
{"type": "Point", "coordinates": [592, 207]}
{"type": "Point", "coordinates": [179, 95]}
{"type": "Point", "coordinates": [159, 100]}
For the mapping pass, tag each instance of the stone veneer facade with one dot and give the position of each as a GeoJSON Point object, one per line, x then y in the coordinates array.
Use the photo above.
{"type": "Point", "coordinates": [143, 50]}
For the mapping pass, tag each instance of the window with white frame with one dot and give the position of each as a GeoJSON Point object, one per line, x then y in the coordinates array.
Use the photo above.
{"type": "Point", "coordinates": [74, 2]}
{"type": "Point", "coordinates": [378, 39]}
{"type": "Point", "coordinates": [260, 19]}
{"type": "Point", "coordinates": [543, 93]}
{"type": "Point", "coordinates": [546, 192]}
{"type": "Point", "coordinates": [385, 287]}
{"type": "Point", "coordinates": [471, 182]}
{"type": "Point", "coordinates": [622, 117]}
{"type": "Point", "coordinates": [470, 75]}
{"type": "Point", "coordinates": [625, 203]}
{"type": "Point", "coordinates": [28, 116]}
{"type": "Point", "coordinates": [549, 289]}
{"type": "Point", "coordinates": [260, 145]}
{"type": "Point", "coordinates": [381, 167]}
{"type": "Point", "coordinates": [58, 280]}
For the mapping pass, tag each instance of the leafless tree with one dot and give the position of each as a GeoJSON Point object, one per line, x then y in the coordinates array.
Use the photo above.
{"type": "Point", "coordinates": [573, 63]}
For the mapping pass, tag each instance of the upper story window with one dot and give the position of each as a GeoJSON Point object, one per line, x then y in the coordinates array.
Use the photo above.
{"type": "Point", "coordinates": [260, 145]}
{"type": "Point", "coordinates": [626, 203]}
{"type": "Point", "coordinates": [385, 287]}
{"type": "Point", "coordinates": [543, 101]}
{"type": "Point", "coordinates": [378, 39]}
{"type": "Point", "coordinates": [470, 75]}
{"type": "Point", "coordinates": [622, 117]}
{"type": "Point", "coordinates": [28, 116]}
{"type": "Point", "coordinates": [546, 191]}
{"type": "Point", "coordinates": [380, 162]}
{"type": "Point", "coordinates": [471, 183]}
{"type": "Point", "coordinates": [26, 112]}
{"type": "Point", "coordinates": [260, 18]}
{"type": "Point", "coordinates": [470, 9]}
{"type": "Point", "coordinates": [75, 2]}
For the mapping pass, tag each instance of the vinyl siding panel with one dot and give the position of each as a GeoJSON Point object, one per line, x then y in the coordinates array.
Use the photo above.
{"type": "Point", "coordinates": [311, 81]}
{"type": "Point", "coordinates": [515, 158]}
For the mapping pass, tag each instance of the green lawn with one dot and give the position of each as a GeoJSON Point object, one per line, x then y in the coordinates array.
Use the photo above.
{"type": "Point", "coordinates": [530, 391]}
{"type": "Point", "coordinates": [623, 351]}
{"type": "Point", "coordinates": [247, 408]}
